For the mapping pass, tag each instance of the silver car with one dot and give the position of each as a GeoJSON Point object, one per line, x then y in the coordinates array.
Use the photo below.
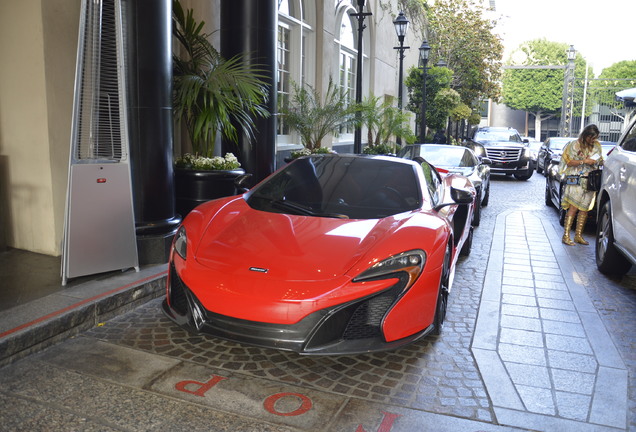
{"type": "Point", "coordinates": [456, 160]}
{"type": "Point", "coordinates": [616, 228]}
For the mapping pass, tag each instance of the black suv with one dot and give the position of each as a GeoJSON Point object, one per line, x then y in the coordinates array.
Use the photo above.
{"type": "Point", "coordinates": [505, 148]}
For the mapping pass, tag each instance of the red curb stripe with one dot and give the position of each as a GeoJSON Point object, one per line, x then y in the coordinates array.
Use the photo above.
{"type": "Point", "coordinates": [73, 306]}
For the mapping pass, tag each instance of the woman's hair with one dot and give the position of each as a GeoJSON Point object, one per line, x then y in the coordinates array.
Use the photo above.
{"type": "Point", "coordinates": [590, 131]}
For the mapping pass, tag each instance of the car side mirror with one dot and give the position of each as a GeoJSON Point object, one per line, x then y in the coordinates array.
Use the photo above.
{"type": "Point", "coordinates": [527, 141]}
{"type": "Point", "coordinates": [459, 196]}
{"type": "Point", "coordinates": [241, 181]}
{"type": "Point", "coordinates": [485, 161]}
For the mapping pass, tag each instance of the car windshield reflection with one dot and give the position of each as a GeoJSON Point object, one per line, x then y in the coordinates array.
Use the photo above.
{"type": "Point", "coordinates": [340, 187]}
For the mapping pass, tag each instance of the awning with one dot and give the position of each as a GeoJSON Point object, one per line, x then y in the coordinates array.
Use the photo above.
{"type": "Point", "coordinates": [627, 96]}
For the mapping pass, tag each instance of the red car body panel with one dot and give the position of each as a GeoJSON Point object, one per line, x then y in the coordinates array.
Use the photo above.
{"type": "Point", "coordinates": [279, 268]}
{"type": "Point", "coordinates": [290, 289]}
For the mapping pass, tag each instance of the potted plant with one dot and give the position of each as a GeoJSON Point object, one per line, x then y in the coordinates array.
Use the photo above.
{"type": "Point", "coordinates": [212, 95]}
{"type": "Point", "coordinates": [314, 118]}
{"type": "Point", "coordinates": [384, 122]}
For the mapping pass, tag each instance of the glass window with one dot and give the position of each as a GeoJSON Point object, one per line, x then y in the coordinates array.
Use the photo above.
{"type": "Point", "coordinates": [284, 77]}
{"type": "Point", "coordinates": [347, 64]}
{"type": "Point", "coordinates": [294, 38]}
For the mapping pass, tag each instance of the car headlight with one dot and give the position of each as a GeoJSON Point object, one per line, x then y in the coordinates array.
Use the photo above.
{"type": "Point", "coordinates": [411, 262]}
{"type": "Point", "coordinates": [180, 243]}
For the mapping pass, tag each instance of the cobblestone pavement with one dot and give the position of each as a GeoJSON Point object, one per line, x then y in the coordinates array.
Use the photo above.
{"type": "Point", "coordinates": [437, 376]}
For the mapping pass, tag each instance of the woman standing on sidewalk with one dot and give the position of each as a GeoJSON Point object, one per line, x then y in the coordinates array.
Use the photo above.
{"type": "Point", "coordinates": [579, 158]}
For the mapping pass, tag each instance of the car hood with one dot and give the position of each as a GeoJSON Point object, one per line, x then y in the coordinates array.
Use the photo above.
{"type": "Point", "coordinates": [242, 242]}
{"type": "Point", "coordinates": [501, 143]}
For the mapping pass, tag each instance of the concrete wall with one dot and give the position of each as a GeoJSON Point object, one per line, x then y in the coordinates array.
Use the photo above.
{"type": "Point", "coordinates": [38, 40]}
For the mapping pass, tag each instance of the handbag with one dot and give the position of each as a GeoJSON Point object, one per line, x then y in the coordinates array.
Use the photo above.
{"type": "Point", "coordinates": [594, 180]}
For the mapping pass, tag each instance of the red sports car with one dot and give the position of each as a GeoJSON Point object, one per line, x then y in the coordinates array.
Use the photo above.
{"type": "Point", "coordinates": [332, 254]}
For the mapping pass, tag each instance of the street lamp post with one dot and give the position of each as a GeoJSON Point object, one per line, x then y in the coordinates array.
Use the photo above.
{"type": "Point", "coordinates": [401, 26]}
{"type": "Point", "coordinates": [568, 94]}
{"type": "Point", "coordinates": [424, 51]}
{"type": "Point", "coordinates": [357, 136]}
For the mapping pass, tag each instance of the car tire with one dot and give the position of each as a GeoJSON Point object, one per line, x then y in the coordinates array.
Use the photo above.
{"type": "Point", "coordinates": [539, 169]}
{"type": "Point", "coordinates": [562, 213]}
{"type": "Point", "coordinates": [476, 215]}
{"type": "Point", "coordinates": [548, 198]}
{"type": "Point", "coordinates": [525, 176]}
{"type": "Point", "coordinates": [484, 202]}
{"type": "Point", "coordinates": [442, 296]}
{"type": "Point", "coordinates": [468, 244]}
{"type": "Point", "coordinates": [609, 260]}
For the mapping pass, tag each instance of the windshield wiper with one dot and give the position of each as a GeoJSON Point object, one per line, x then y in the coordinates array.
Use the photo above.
{"type": "Point", "coordinates": [289, 205]}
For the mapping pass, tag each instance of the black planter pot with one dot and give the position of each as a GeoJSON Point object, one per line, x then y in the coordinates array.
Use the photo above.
{"type": "Point", "coordinates": [194, 187]}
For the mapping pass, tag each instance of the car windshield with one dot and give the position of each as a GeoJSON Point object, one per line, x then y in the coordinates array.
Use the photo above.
{"type": "Point", "coordinates": [559, 144]}
{"type": "Point", "coordinates": [340, 187]}
{"type": "Point", "coordinates": [447, 156]}
{"type": "Point", "coordinates": [497, 135]}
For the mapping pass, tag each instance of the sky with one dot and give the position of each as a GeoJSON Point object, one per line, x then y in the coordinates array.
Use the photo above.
{"type": "Point", "coordinates": [602, 31]}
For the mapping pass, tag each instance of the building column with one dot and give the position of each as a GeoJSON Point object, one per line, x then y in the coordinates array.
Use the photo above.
{"type": "Point", "coordinates": [249, 28]}
{"type": "Point", "coordinates": [148, 46]}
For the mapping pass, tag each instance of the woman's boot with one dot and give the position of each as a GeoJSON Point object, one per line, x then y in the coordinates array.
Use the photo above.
{"type": "Point", "coordinates": [567, 224]}
{"type": "Point", "coordinates": [580, 226]}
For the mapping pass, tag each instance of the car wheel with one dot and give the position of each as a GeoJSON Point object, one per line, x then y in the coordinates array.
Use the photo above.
{"type": "Point", "coordinates": [545, 167]}
{"type": "Point", "coordinates": [468, 244]}
{"type": "Point", "coordinates": [476, 214]}
{"type": "Point", "coordinates": [608, 259]}
{"type": "Point", "coordinates": [539, 169]}
{"type": "Point", "coordinates": [562, 213]}
{"type": "Point", "coordinates": [484, 202]}
{"type": "Point", "coordinates": [442, 296]}
{"type": "Point", "coordinates": [525, 176]}
{"type": "Point", "coordinates": [548, 198]}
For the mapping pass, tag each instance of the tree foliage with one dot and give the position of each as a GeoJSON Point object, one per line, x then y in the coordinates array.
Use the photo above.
{"type": "Point", "coordinates": [384, 121]}
{"type": "Point", "coordinates": [538, 91]}
{"type": "Point", "coordinates": [314, 118]}
{"type": "Point", "coordinates": [213, 94]}
{"type": "Point", "coordinates": [460, 35]}
{"type": "Point", "coordinates": [625, 69]}
{"type": "Point", "coordinates": [440, 99]}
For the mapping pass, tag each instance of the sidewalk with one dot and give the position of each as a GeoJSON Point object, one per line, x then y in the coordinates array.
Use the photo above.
{"type": "Point", "coordinates": [546, 358]}
{"type": "Point", "coordinates": [43, 321]}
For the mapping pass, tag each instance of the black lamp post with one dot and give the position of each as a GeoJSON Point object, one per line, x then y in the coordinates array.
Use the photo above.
{"type": "Point", "coordinates": [401, 26]}
{"type": "Point", "coordinates": [424, 51]}
{"type": "Point", "coordinates": [357, 136]}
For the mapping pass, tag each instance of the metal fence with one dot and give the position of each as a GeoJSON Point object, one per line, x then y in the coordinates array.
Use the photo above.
{"type": "Point", "coordinates": [595, 102]}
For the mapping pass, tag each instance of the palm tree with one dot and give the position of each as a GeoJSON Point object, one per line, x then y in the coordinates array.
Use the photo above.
{"type": "Point", "coordinates": [212, 94]}
{"type": "Point", "coordinates": [313, 118]}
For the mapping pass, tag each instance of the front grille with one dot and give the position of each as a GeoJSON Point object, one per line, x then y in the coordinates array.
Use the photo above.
{"type": "Point", "coordinates": [366, 321]}
{"type": "Point", "coordinates": [178, 300]}
{"type": "Point", "coordinates": [503, 154]}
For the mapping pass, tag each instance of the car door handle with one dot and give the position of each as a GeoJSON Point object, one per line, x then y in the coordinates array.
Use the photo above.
{"type": "Point", "coordinates": [621, 174]}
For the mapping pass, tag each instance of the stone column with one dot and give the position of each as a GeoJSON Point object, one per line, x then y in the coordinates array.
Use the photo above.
{"type": "Point", "coordinates": [249, 28]}
{"type": "Point", "coordinates": [148, 47]}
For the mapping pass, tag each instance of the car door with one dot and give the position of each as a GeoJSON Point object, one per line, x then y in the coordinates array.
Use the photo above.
{"type": "Point", "coordinates": [624, 206]}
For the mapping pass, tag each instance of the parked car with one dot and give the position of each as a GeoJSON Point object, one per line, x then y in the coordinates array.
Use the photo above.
{"type": "Point", "coordinates": [616, 227]}
{"type": "Point", "coordinates": [552, 148]}
{"type": "Point", "coordinates": [555, 186]}
{"type": "Point", "coordinates": [607, 147]}
{"type": "Point", "coordinates": [505, 148]}
{"type": "Point", "coordinates": [534, 147]}
{"type": "Point", "coordinates": [332, 254]}
{"type": "Point", "coordinates": [455, 160]}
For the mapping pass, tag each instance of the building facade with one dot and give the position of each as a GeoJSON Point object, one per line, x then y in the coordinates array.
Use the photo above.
{"type": "Point", "coordinates": [316, 41]}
